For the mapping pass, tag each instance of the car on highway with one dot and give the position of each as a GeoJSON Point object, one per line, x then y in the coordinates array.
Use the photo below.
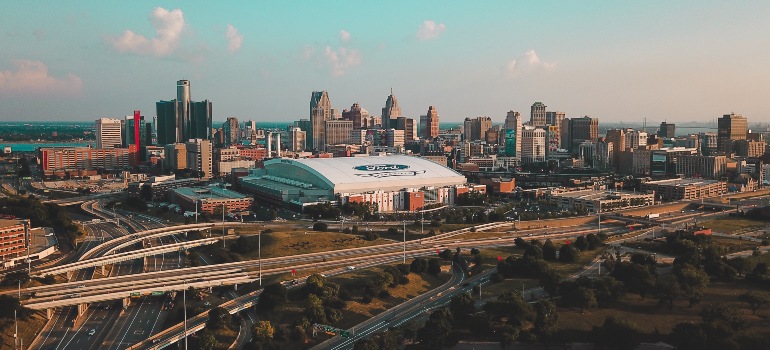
{"type": "Point", "coordinates": [350, 268]}
{"type": "Point", "coordinates": [92, 332]}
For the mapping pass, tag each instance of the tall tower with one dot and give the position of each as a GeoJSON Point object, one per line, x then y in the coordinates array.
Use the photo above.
{"type": "Point", "coordinates": [183, 110]}
{"type": "Point", "coordinates": [513, 129]}
{"type": "Point", "coordinates": [537, 116]}
{"type": "Point", "coordinates": [391, 111]}
{"type": "Point", "coordinates": [320, 112]}
{"type": "Point", "coordinates": [429, 123]}
{"type": "Point", "coordinates": [232, 131]}
{"type": "Point", "coordinates": [730, 127]}
{"type": "Point", "coordinates": [108, 133]}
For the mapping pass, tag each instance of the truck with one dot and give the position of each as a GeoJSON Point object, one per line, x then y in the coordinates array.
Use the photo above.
{"type": "Point", "coordinates": [652, 216]}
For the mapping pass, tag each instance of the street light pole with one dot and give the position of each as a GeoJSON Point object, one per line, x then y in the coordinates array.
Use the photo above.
{"type": "Point", "coordinates": [259, 249]}
{"type": "Point", "coordinates": [422, 221]}
{"type": "Point", "coordinates": [184, 306]}
{"type": "Point", "coordinates": [404, 241]}
{"type": "Point", "coordinates": [223, 225]}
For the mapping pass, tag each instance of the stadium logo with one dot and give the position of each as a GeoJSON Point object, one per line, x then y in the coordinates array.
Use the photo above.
{"type": "Point", "coordinates": [381, 167]}
{"type": "Point", "coordinates": [392, 173]}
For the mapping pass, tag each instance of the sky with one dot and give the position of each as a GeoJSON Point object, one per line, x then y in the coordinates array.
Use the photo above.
{"type": "Point", "coordinates": [674, 61]}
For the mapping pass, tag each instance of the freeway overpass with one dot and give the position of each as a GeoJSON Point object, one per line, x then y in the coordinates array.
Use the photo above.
{"type": "Point", "coordinates": [115, 258]}
{"type": "Point", "coordinates": [128, 240]}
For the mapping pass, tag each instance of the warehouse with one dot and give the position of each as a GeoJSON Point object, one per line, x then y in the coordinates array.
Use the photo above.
{"type": "Point", "coordinates": [394, 182]}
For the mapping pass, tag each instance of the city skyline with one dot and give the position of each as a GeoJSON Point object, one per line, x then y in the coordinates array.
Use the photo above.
{"type": "Point", "coordinates": [686, 61]}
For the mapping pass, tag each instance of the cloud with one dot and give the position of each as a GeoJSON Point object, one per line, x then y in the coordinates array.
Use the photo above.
{"type": "Point", "coordinates": [430, 30]}
{"type": "Point", "coordinates": [341, 59]}
{"type": "Point", "coordinates": [344, 36]}
{"type": "Point", "coordinates": [308, 52]}
{"type": "Point", "coordinates": [528, 63]}
{"type": "Point", "coordinates": [31, 78]}
{"type": "Point", "coordinates": [168, 29]}
{"type": "Point", "coordinates": [234, 39]}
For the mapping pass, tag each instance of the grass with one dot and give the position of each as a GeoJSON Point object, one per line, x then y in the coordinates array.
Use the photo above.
{"type": "Point", "coordinates": [28, 329]}
{"type": "Point", "coordinates": [651, 317]}
{"type": "Point", "coordinates": [732, 224]}
{"type": "Point", "coordinates": [276, 244]}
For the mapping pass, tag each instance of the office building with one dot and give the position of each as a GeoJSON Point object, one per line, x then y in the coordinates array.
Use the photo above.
{"type": "Point", "coordinates": [533, 145]}
{"type": "Point", "coordinates": [684, 189]}
{"type": "Point", "coordinates": [537, 114]}
{"type": "Point", "coordinates": [391, 112]}
{"type": "Point", "coordinates": [394, 138]}
{"type": "Point", "coordinates": [298, 140]}
{"type": "Point", "coordinates": [667, 130]}
{"type": "Point", "coordinates": [429, 124]}
{"type": "Point", "coordinates": [109, 133]}
{"type": "Point", "coordinates": [749, 148]}
{"type": "Point", "coordinates": [579, 130]}
{"type": "Point", "coordinates": [476, 129]}
{"type": "Point", "coordinates": [200, 158]}
{"type": "Point", "coordinates": [730, 127]}
{"type": "Point", "coordinates": [182, 119]}
{"type": "Point", "coordinates": [210, 199]}
{"type": "Point", "coordinates": [513, 129]}
{"type": "Point", "coordinates": [13, 235]}
{"type": "Point", "coordinates": [709, 143]}
{"type": "Point", "coordinates": [604, 154]}
{"type": "Point", "coordinates": [231, 131]}
{"type": "Point", "coordinates": [357, 115]}
{"type": "Point", "coordinates": [320, 112]}
{"type": "Point", "coordinates": [337, 131]}
{"type": "Point", "coordinates": [175, 156]}
{"type": "Point", "coordinates": [62, 160]}
{"type": "Point", "coordinates": [636, 138]}
{"type": "Point", "coordinates": [707, 167]}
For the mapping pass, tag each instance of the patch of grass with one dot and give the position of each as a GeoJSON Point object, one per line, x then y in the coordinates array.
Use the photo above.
{"type": "Point", "coordinates": [28, 327]}
{"type": "Point", "coordinates": [492, 290]}
{"type": "Point", "coordinates": [276, 244]}
{"type": "Point", "coordinates": [731, 224]}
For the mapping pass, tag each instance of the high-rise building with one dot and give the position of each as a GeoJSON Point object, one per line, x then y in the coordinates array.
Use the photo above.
{"type": "Point", "coordinates": [109, 133]}
{"type": "Point", "coordinates": [749, 148]}
{"type": "Point", "coordinates": [532, 145]}
{"type": "Point", "coordinates": [709, 143]}
{"type": "Point", "coordinates": [730, 127]}
{"type": "Point", "coordinates": [617, 137]}
{"type": "Point", "coordinates": [320, 112]}
{"type": "Point", "coordinates": [604, 154]}
{"type": "Point", "coordinates": [298, 138]}
{"type": "Point", "coordinates": [554, 118]}
{"type": "Point", "coordinates": [429, 124]}
{"type": "Point", "coordinates": [391, 111]}
{"type": "Point", "coordinates": [337, 131]}
{"type": "Point", "coordinates": [200, 157]}
{"type": "Point", "coordinates": [579, 130]}
{"type": "Point", "coordinates": [175, 156]}
{"type": "Point", "coordinates": [667, 130]}
{"type": "Point", "coordinates": [182, 119]}
{"type": "Point", "coordinates": [537, 115]}
{"type": "Point", "coordinates": [135, 136]}
{"type": "Point", "coordinates": [476, 129]}
{"type": "Point", "coordinates": [636, 139]}
{"type": "Point", "coordinates": [513, 128]}
{"type": "Point", "coordinates": [357, 115]}
{"type": "Point", "coordinates": [394, 138]}
{"type": "Point", "coordinates": [232, 132]}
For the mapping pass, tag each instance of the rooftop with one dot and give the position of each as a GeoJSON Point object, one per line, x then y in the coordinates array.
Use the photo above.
{"type": "Point", "coordinates": [211, 192]}
{"type": "Point", "coordinates": [684, 182]}
{"type": "Point", "coordinates": [9, 222]}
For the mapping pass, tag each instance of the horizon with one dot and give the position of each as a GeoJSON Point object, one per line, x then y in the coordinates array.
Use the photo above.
{"type": "Point", "coordinates": [600, 59]}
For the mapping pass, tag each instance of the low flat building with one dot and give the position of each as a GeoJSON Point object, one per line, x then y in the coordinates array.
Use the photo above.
{"type": "Point", "coordinates": [499, 184]}
{"type": "Point", "coordinates": [208, 199]}
{"type": "Point", "coordinates": [678, 189]}
{"type": "Point", "coordinates": [594, 201]}
{"type": "Point", "coordinates": [159, 186]}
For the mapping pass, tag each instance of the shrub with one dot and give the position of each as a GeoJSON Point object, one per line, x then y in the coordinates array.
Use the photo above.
{"type": "Point", "coordinates": [320, 226]}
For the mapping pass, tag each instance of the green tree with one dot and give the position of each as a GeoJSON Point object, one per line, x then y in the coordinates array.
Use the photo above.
{"type": "Point", "coordinates": [693, 282]}
{"type": "Point", "coordinates": [549, 250]}
{"type": "Point", "coordinates": [546, 320]}
{"type": "Point", "coordinates": [8, 304]}
{"type": "Point", "coordinates": [689, 336]}
{"type": "Point", "coordinates": [219, 318]}
{"type": "Point", "coordinates": [264, 331]}
{"type": "Point", "coordinates": [273, 295]}
{"type": "Point", "coordinates": [320, 226]}
{"type": "Point", "coordinates": [668, 291]}
{"type": "Point", "coordinates": [462, 306]}
{"type": "Point", "coordinates": [755, 299]}
{"type": "Point", "coordinates": [207, 341]}
{"type": "Point", "coordinates": [568, 253]}
{"type": "Point", "coordinates": [617, 334]}
{"type": "Point", "coordinates": [435, 332]}
{"type": "Point", "coordinates": [434, 266]}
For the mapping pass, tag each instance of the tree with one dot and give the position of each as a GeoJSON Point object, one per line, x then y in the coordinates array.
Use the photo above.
{"type": "Point", "coordinates": [689, 336]}
{"type": "Point", "coordinates": [568, 253]}
{"type": "Point", "coordinates": [637, 278]}
{"type": "Point", "coordinates": [8, 304]}
{"type": "Point", "coordinates": [366, 344]}
{"type": "Point", "coordinates": [462, 306]}
{"type": "Point", "coordinates": [581, 243]}
{"type": "Point", "coordinates": [434, 266]}
{"type": "Point", "coordinates": [549, 251]}
{"type": "Point", "coordinates": [725, 314]}
{"type": "Point", "coordinates": [755, 299]}
{"type": "Point", "coordinates": [218, 318]}
{"type": "Point", "coordinates": [617, 334]}
{"type": "Point", "coordinates": [445, 254]}
{"type": "Point", "coordinates": [273, 295]}
{"type": "Point", "coordinates": [320, 226]}
{"type": "Point", "coordinates": [264, 331]}
{"type": "Point", "coordinates": [693, 282]}
{"type": "Point", "coordinates": [418, 265]}
{"type": "Point", "coordinates": [207, 341]}
{"type": "Point", "coordinates": [435, 332]}
{"type": "Point", "coordinates": [668, 291]}
{"type": "Point", "coordinates": [546, 319]}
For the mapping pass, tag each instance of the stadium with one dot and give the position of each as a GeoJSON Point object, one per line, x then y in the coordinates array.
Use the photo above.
{"type": "Point", "coordinates": [393, 183]}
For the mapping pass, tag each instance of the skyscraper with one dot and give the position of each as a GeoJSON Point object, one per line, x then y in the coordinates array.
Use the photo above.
{"type": "Point", "coordinates": [199, 157]}
{"type": "Point", "coordinates": [476, 129]}
{"type": "Point", "coordinates": [730, 127]}
{"type": "Point", "coordinates": [109, 133]}
{"type": "Point", "coordinates": [429, 123]}
{"type": "Point", "coordinates": [232, 131]}
{"type": "Point", "coordinates": [135, 136]}
{"type": "Point", "coordinates": [579, 130]}
{"type": "Point", "coordinates": [298, 138]}
{"type": "Point", "coordinates": [513, 128]}
{"type": "Point", "coordinates": [537, 116]}
{"type": "Point", "coordinates": [554, 118]}
{"type": "Point", "coordinates": [392, 111]}
{"type": "Point", "coordinates": [182, 119]}
{"type": "Point", "coordinates": [667, 130]}
{"type": "Point", "coordinates": [533, 145]}
{"type": "Point", "coordinates": [357, 115]}
{"type": "Point", "coordinates": [320, 112]}
{"type": "Point", "coordinates": [337, 131]}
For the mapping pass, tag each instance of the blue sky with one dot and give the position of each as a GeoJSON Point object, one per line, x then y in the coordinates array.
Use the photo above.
{"type": "Point", "coordinates": [619, 61]}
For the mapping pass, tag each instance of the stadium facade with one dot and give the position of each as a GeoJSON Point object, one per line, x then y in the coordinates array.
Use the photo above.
{"type": "Point", "coordinates": [393, 183]}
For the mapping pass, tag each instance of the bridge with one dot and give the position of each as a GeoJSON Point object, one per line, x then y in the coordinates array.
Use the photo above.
{"type": "Point", "coordinates": [116, 258]}
{"type": "Point", "coordinates": [128, 240]}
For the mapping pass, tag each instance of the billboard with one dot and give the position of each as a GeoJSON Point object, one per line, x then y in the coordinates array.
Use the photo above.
{"type": "Point", "coordinates": [510, 143]}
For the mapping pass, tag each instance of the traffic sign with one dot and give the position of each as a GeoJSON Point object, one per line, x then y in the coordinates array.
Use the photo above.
{"type": "Point", "coordinates": [136, 294]}
{"type": "Point", "coordinates": [157, 293]}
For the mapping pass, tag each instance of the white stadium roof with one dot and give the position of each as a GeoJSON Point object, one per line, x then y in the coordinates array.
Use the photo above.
{"type": "Point", "coordinates": [373, 173]}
